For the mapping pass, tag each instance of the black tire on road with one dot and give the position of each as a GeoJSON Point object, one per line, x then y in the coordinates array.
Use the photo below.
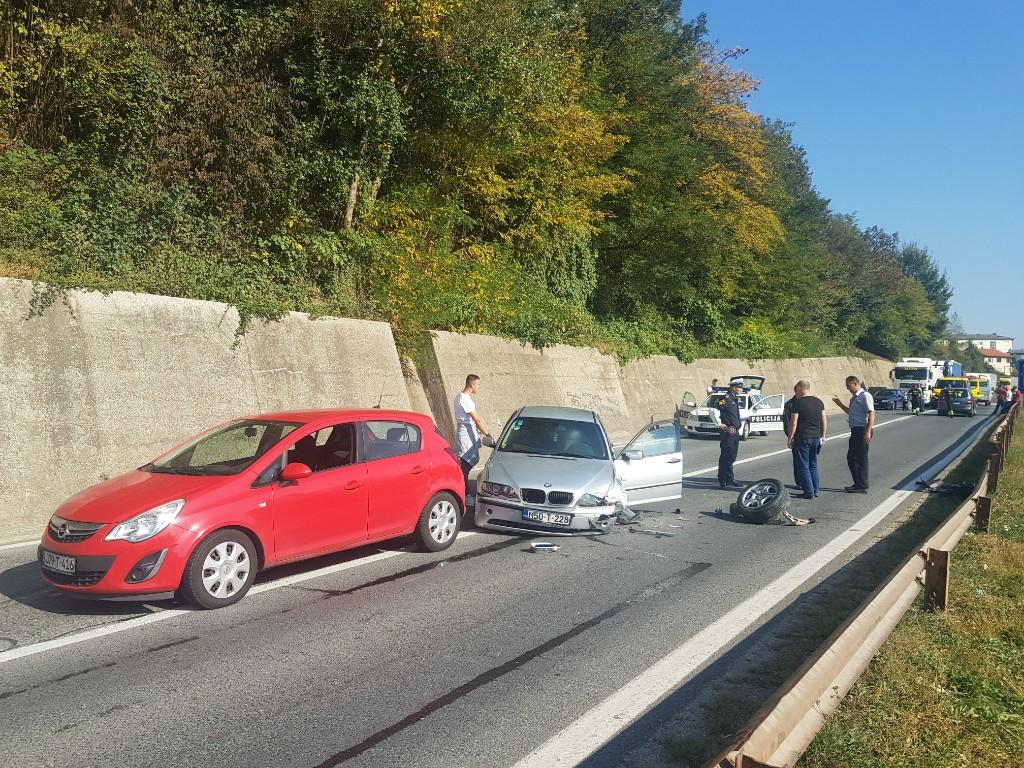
{"type": "Point", "coordinates": [439, 522]}
{"type": "Point", "coordinates": [220, 571]}
{"type": "Point", "coordinates": [762, 501]}
{"type": "Point", "coordinates": [745, 430]}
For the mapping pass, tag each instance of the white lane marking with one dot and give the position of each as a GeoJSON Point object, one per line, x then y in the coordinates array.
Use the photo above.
{"type": "Point", "coordinates": [141, 621]}
{"type": "Point", "coordinates": [19, 544]}
{"type": "Point", "coordinates": [598, 726]}
{"type": "Point", "coordinates": [697, 472]}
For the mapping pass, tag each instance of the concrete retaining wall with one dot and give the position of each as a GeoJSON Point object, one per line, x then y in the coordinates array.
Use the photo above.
{"type": "Point", "coordinates": [514, 374]}
{"type": "Point", "coordinates": [99, 384]}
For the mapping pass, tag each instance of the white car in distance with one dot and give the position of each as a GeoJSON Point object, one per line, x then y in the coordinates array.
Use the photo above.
{"type": "Point", "coordinates": [760, 414]}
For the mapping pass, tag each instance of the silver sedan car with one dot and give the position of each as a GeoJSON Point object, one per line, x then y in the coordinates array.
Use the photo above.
{"type": "Point", "coordinates": [554, 472]}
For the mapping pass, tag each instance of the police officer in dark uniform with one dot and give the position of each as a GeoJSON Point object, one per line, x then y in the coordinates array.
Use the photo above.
{"type": "Point", "coordinates": [729, 424]}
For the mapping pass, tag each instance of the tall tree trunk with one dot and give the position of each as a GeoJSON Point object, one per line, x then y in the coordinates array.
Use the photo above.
{"type": "Point", "coordinates": [374, 190]}
{"type": "Point", "coordinates": [353, 196]}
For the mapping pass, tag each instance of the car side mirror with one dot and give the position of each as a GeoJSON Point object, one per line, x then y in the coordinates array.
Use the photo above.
{"type": "Point", "coordinates": [486, 441]}
{"type": "Point", "coordinates": [295, 471]}
{"type": "Point", "coordinates": [633, 455]}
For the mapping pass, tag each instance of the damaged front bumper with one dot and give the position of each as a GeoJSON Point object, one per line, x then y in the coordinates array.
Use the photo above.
{"type": "Point", "coordinates": [517, 518]}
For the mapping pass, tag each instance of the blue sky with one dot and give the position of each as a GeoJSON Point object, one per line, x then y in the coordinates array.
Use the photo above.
{"type": "Point", "coordinates": [912, 115]}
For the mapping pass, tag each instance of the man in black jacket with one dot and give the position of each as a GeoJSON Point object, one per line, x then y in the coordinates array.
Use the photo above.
{"type": "Point", "coordinates": [726, 416]}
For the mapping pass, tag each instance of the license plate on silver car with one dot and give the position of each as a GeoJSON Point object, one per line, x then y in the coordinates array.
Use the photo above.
{"type": "Point", "coordinates": [59, 563]}
{"type": "Point", "coordinates": [547, 518]}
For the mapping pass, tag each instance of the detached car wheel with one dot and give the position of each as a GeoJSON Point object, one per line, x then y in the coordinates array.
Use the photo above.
{"type": "Point", "coordinates": [220, 570]}
{"type": "Point", "coordinates": [439, 523]}
{"type": "Point", "coordinates": [761, 502]}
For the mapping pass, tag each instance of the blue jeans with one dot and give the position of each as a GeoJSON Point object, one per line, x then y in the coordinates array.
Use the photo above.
{"type": "Point", "coordinates": [805, 465]}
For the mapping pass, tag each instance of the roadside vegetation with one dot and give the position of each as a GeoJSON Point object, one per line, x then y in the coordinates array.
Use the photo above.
{"type": "Point", "coordinates": [583, 172]}
{"type": "Point", "coordinates": [947, 689]}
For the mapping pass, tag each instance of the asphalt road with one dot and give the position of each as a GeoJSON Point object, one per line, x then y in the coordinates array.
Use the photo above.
{"type": "Point", "coordinates": [474, 657]}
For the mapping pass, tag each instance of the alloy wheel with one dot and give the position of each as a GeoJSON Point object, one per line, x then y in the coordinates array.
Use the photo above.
{"type": "Point", "coordinates": [759, 495]}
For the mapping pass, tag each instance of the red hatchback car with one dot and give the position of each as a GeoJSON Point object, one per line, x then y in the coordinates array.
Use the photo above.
{"type": "Point", "coordinates": [202, 519]}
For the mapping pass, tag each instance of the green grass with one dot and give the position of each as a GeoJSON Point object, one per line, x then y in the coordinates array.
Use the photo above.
{"type": "Point", "coordinates": [947, 689]}
{"type": "Point", "coordinates": [807, 625]}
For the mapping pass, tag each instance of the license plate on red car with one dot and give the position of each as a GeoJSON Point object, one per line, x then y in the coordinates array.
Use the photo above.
{"type": "Point", "coordinates": [547, 518]}
{"type": "Point", "coordinates": [58, 563]}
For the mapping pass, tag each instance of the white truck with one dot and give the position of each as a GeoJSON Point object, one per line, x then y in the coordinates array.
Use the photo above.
{"type": "Point", "coordinates": [920, 372]}
{"type": "Point", "coordinates": [923, 372]}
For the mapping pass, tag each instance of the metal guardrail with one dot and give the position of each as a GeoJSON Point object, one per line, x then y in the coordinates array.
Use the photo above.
{"type": "Point", "coordinates": [782, 729]}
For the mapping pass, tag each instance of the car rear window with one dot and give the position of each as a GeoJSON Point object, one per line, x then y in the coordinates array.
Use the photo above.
{"type": "Point", "coordinates": [387, 439]}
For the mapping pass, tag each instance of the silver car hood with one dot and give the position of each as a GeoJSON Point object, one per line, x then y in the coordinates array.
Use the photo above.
{"type": "Point", "coordinates": [524, 470]}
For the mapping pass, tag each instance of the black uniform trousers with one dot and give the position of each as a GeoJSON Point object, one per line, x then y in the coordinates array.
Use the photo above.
{"type": "Point", "coordinates": [857, 457]}
{"type": "Point", "coordinates": [730, 446]}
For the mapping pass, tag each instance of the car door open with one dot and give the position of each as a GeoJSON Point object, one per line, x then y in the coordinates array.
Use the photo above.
{"type": "Point", "coordinates": [651, 464]}
{"type": "Point", "coordinates": [767, 416]}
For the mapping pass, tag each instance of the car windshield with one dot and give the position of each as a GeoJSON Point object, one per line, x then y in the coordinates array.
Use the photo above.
{"type": "Point", "coordinates": [226, 451]}
{"type": "Point", "coordinates": [718, 400]}
{"type": "Point", "coordinates": [912, 374]}
{"type": "Point", "coordinates": [888, 392]}
{"type": "Point", "coordinates": [555, 437]}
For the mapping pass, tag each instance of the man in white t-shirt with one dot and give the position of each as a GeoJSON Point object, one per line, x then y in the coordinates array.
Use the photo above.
{"type": "Point", "coordinates": [468, 428]}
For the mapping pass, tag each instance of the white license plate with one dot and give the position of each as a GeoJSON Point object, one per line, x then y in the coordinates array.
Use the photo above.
{"type": "Point", "coordinates": [547, 518]}
{"type": "Point", "coordinates": [59, 563]}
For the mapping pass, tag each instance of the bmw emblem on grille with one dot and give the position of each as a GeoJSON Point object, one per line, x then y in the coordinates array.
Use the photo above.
{"type": "Point", "coordinates": [62, 532]}
{"type": "Point", "coordinates": [547, 485]}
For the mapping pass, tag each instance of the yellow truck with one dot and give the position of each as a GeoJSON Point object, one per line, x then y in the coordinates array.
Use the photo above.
{"type": "Point", "coordinates": [982, 386]}
{"type": "Point", "coordinates": [953, 382]}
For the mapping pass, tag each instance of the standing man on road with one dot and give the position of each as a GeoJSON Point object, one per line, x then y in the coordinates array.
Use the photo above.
{"type": "Point", "coordinates": [917, 399]}
{"type": "Point", "coordinates": [787, 417]}
{"type": "Point", "coordinates": [947, 401]}
{"type": "Point", "coordinates": [468, 428]}
{"type": "Point", "coordinates": [787, 409]}
{"type": "Point", "coordinates": [726, 416]}
{"type": "Point", "coordinates": [806, 433]}
{"type": "Point", "coordinates": [1000, 398]}
{"type": "Point", "coordinates": [862, 424]}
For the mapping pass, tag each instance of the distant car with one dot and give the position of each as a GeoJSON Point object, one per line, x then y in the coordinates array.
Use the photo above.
{"type": "Point", "coordinates": [202, 519]}
{"type": "Point", "coordinates": [553, 472]}
{"type": "Point", "coordinates": [963, 403]}
{"type": "Point", "coordinates": [889, 399]}
{"type": "Point", "coordinates": [873, 391]}
{"type": "Point", "coordinates": [759, 413]}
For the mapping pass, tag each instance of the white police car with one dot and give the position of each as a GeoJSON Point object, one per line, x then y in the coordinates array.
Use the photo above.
{"type": "Point", "coordinates": [760, 414]}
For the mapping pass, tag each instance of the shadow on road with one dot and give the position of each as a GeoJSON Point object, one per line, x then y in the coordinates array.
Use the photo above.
{"type": "Point", "coordinates": [24, 585]}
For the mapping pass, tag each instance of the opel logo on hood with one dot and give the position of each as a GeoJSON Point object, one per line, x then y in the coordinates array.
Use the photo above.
{"type": "Point", "coordinates": [62, 532]}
